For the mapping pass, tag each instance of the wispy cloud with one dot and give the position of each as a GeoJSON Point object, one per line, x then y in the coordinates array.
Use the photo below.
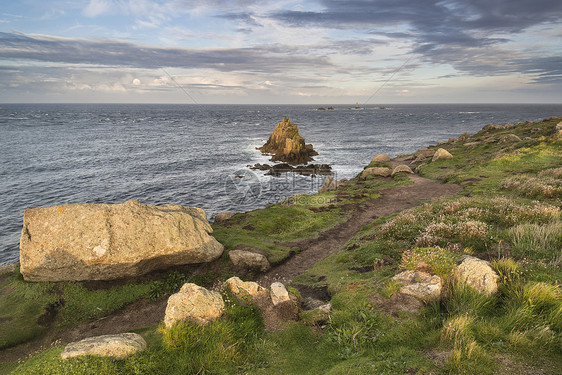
{"type": "Point", "coordinates": [117, 53]}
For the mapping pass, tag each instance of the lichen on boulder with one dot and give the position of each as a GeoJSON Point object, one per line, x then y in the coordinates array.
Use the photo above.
{"type": "Point", "coordinates": [287, 145]}
{"type": "Point", "coordinates": [88, 241]}
{"type": "Point", "coordinates": [116, 346]}
{"type": "Point", "coordinates": [193, 303]}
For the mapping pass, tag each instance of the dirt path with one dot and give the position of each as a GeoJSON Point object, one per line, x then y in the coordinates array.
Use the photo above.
{"type": "Point", "coordinates": [392, 200]}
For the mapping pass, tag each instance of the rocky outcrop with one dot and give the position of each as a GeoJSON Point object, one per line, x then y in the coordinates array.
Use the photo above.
{"type": "Point", "coordinates": [249, 261]}
{"type": "Point", "coordinates": [276, 304]}
{"type": "Point", "coordinates": [441, 154]}
{"type": "Point", "coordinates": [246, 288]}
{"type": "Point", "coordinates": [279, 293]}
{"type": "Point", "coordinates": [380, 158]}
{"type": "Point", "coordinates": [193, 303]}
{"type": "Point", "coordinates": [508, 138]}
{"type": "Point", "coordinates": [421, 285]}
{"type": "Point", "coordinates": [223, 216]}
{"type": "Point", "coordinates": [558, 131]}
{"type": "Point", "coordinates": [401, 169]}
{"type": "Point", "coordinates": [286, 144]}
{"type": "Point", "coordinates": [477, 274]}
{"type": "Point", "coordinates": [423, 154]}
{"type": "Point", "coordinates": [110, 241]}
{"type": "Point", "coordinates": [116, 346]}
{"type": "Point", "coordinates": [376, 171]}
{"type": "Point", "coordinates": [330, 183]}
{"type": "Point", "coordinates": [277, 170]}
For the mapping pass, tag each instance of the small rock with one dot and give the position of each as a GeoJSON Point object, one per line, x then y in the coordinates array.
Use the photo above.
{"type": "Point", "coordinates": [329, 184]}
{"type": "Point", "coordinates": [421, 285]}
{"type": "Point", "coordinates": [381, 158]}
{"type": "Point", "coordinates": [376, 171]}
{"type": "Point", "coordinates": [492, 127]}
{"type": "Point", "coordinates": [245, 288]}
{"type": "Point", "coordinates": [193, 303]}
{"type": "Point", "coordinates": [279, 294]}
{"type": "Point", "coordinates": [477, 274]}
{"type": "Point", "coordinates": [401, 169]}
{"type": "Point", "coordinates": [7, 268]}
{"type": "Point", "coordinates": [558, 126]}
{"type": "Point", "coordinates": [472, 144]}
{"type": "Point", "coordinates": [249, 260]}
{"type": "Point", "coordinates": [223, 216]}
{"type": "Point", "coordinates": [117, 346]}
{"type": "Point", "coordinates": [441, 154]}
{"type": "Point", "coordinates": [510, 138]}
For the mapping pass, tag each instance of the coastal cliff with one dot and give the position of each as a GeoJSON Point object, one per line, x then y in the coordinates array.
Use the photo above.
{"type": "Point", "coordinates": [451, 266]}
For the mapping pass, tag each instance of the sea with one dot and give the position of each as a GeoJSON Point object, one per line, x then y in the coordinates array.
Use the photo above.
{"type": "Point", "coordinates": [198, 155]}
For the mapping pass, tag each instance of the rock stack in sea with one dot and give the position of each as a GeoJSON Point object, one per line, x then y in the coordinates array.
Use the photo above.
{"type": "Point", "coordinates": [286, 145]}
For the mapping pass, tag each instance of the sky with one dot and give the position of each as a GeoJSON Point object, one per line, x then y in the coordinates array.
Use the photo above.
{"type": "Point", "coordinates": [281, 51]}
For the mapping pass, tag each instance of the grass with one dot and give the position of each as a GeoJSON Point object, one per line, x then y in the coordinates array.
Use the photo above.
{"type": "Point", "coordinates": [224, 346]}
{"type": "Point", "coordinates": [21, 310]}
{"type": "Point", "coordinates": [538, 241]}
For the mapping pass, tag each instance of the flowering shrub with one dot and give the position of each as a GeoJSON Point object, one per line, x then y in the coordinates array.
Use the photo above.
{"type": "Point", "coordinates": [434, 259]}
{"type": "Point", "coordinates": [404, 226]}
{"type": "Point", "coordinates": [535, 187]}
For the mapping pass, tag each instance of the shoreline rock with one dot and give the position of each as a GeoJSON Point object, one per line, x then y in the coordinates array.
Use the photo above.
{"type": "Point", "coordinates": [277, 170]}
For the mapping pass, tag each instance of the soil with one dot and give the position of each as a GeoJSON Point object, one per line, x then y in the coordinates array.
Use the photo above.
{"type": "Point", "coordinates": [146, 313]}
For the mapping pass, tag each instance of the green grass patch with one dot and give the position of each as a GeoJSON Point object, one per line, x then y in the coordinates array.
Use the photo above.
{"type": "Point", "coordinates": [538, 242]}
{"type": "Point", "coordinates": [81, 304]}
{"type": "Point", "coordinates": [22, 309]}
{"type": "Point", "coordinates": [225, 346]}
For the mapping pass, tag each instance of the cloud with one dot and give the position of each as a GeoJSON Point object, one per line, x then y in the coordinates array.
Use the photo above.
{"type": "Point", "coordinates": [242, 18]}
{"type": "Point", "coordinates": [116, 53]}
{"type": "Point", "coordinates": [97, 7]}
{"type": "Point", "coordinates": [430, 21]}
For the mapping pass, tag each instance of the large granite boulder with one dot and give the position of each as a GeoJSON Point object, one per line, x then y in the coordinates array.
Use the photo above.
{"type": "Point", "coordinates": [110, 241]}
{"type": "Point", "coordinates": [286, 144]}
{"type": "Point", "coordinates": [193, 303]}
{"type": "Point", "coordinates": [477, 274]}
{"type": "Point", "coordinates": [116, 346]}
{"type": "Point", "coordinates": [249, 260]}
